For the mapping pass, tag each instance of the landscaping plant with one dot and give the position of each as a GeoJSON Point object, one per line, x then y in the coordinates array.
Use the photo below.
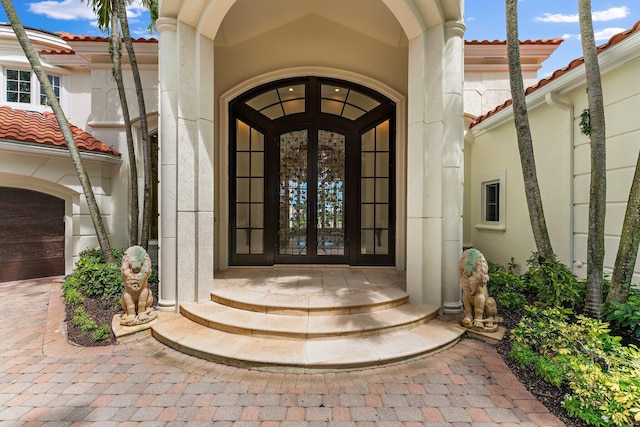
{"type": "Point", "coordinates": [95, 289]}
{"type": "Point", "coordinates": [603, 374]}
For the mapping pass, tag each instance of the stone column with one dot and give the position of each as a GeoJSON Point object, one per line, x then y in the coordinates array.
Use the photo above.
{"type": "Point", "coordinates": [424, 168]}
{"type": "Point", "coordinates": [167, 105]}
{"type": "Point", "coordinates": [452, 164]}
{"type": "Point", "coordinates": [187, 150]}
{"type": "Point", "coordinates": [206, 171]}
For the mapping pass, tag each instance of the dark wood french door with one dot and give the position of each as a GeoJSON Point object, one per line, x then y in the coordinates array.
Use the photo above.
{"type": "Point", "coordinates": [311, 175]}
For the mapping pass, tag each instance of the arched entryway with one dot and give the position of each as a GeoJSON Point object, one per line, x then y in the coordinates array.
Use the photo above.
{"type": "Point", "coordinates": [312, 174]}
{"type": "Point", "coordinates": [32, 233]}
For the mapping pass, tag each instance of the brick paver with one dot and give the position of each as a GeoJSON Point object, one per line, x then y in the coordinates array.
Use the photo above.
{"type": "Point", "coordinates": [45, 380]}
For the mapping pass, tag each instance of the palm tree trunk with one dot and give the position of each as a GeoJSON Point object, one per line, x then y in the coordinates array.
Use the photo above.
{"type": "Point", "coordinates": [83, 177]}
{"type": "Point", "coordinates": [525, 141]}
{"type": "Point", "coordinates": [598, 188]}
{"type": "Point", "coordinates": [115, 49]}
{"type": "Point", "coordinates": [146, 144]}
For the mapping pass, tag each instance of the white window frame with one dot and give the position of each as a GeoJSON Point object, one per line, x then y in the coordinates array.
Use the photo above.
{"type": "Point", "coordinates": [34, 103]}
{"type": "Point", "coordinates": [490, 178]}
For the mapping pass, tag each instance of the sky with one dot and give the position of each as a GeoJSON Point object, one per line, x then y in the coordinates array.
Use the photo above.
{"type": "Point", "coordinates": [485, 20]}
{"type": "Point", "coordinates": [549, 19]}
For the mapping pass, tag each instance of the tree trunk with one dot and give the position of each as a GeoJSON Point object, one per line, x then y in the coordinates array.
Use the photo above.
{"type": "Point", "coordinates": [115, 49]}
{"type": "Point", "coordinates": [598, 188]}
{"type": "Point", "coordinates": [525, 142]}
{"type": "Point", "coordinates": [628, 246]}
{"type": "Point", "coordinates": [146, 144]}
{"type": "Point", "coordinates": [83, 177]}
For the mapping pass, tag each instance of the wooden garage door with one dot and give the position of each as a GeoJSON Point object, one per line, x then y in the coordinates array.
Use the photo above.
{"type": "Point", "coordinates": [31, 234]}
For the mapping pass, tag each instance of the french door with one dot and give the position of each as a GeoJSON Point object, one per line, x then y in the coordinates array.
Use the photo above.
{"type": "Point", "coordinates": [312, 183]}
{"type": "Point", "coordinates": [311, 175]}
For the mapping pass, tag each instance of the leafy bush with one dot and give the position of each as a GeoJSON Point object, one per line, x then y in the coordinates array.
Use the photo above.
{"type": "Point", "coordinates": [71, 292]}
{"type": "Point", "coordinates": [83, 320]}
{"type": "Point", "coordinates": [507, 288]}
{"type": "Point", "coordinates": [604, 375]}
{"type": "Point", "coordinates": [554, 283]}
{"type": "Point", "coordinates": [101, 334]}
{"type": "Point", "coordinates": [624, 318]}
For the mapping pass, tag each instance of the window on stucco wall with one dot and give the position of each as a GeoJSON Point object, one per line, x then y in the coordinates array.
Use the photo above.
{"type": "Point", "coordinates": [22, 85]}
{"type": "Point", "coordinates": [492, 201]}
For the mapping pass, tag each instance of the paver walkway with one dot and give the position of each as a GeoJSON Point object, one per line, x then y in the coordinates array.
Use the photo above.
{"type": "Point", "coordinates": [46, 381]}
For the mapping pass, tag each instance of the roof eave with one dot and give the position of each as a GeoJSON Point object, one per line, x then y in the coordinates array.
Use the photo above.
{"type": "Point", "coordinates": [611, 58]}
{"type": "Point", "coordinates": [51, 151]}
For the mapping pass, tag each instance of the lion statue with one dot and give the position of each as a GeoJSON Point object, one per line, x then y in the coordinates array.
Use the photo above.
{"type": "Point", "coordinates": [480, 309]}
{"type": "Point", "coordinates": [137, 300]}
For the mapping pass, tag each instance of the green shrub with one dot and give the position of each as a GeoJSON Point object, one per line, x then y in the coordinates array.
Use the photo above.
{"type": "Point", "coordinates": [93, 278]}
{"type": "Point", "coordinates": [101, 334]}
{"type": "Point", "coordinates": [624, 318]}
{"type": "Point", "coordinates": [83, 321]}
{"type": "Point", "coordinates": [507, 288]}
{"type": "Point", "coordinates": [554, 283]}
{"type": "Point", "coordinates": [604, 375]}
{"type": "Point", "coordinates": [71, 292]}
{"type": "Point", "coordinates": [99, 279]}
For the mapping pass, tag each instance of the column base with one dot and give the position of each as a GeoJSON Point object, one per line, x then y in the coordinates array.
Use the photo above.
{"type": "Point", "coordinates": [167, 305]}
{"type": "Point", "coordinates": [453, 307]}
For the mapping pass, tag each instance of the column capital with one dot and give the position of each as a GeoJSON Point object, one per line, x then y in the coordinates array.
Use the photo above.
{"type": "Point", "coordinates": [167, 24]}
{"type": "Point", "coordinates": [454, 29]}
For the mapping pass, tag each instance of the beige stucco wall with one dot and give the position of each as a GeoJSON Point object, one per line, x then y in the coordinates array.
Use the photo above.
{"type": "Point", "coordinates": [498, 150]}
{"type": "Point", "coordinates": [563, 164]}
{"type": "Point", "coordinates": [622, 104]}
{"type": "Point", "coordinates": [484, 90]}
{"type": "Point", "coordinates": [311, 42]}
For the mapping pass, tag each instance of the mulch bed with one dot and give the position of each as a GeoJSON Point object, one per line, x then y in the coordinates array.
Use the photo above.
{"type": "Point", "coordinates": [547, 394]}
{"type": "Point", "coordinates": [100, 310]}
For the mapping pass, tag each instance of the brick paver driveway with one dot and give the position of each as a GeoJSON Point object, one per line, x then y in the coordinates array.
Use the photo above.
{"type": "Point", "coordinates": [46, 381]}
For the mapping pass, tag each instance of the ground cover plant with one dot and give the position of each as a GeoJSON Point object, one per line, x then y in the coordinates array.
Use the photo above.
{"type": "Point", "coordinates": [92, 295]}
{"type": "Point", "coordinates": [581, 370]}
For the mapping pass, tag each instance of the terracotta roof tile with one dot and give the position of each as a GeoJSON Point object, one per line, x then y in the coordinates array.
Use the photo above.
{"type": "Point", "coordinates": [57, 52]}
{"type": "Point", "coordinates": [42, 128]}
{"type": "Point", "coordinates": [614, 40]}
{"type": "Point", "coordinates": [68, 37]}
{"type": "Point", "coordinates": [522, 42]}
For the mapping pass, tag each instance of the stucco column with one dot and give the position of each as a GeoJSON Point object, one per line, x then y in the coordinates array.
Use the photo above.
{"type": "Point", "coordinates": [452, 164]}
{"type": "Point", "coordinates": [205, 171]}
{"type": "Point", "coordinates": [424, 168]}
{"type": "Point", "coordinates": [187, 154]}
{"type": "Point", "coordinates": [167, 105]}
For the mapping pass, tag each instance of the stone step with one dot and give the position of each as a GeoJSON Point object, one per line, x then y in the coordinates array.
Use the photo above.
{"type": "Point", "coordinates": [278, 301]}
{"type": "Point", "coordinates": [348, 352]}
{"type": "Point", "coordinates": [307, 325]}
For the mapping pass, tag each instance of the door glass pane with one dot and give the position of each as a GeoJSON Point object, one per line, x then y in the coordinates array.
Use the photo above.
{"type": "Point", "coordinates": [330, 193]}
{"type": "Point", "coordinates": [368, 187]}
{"type": "Point", "coordinates": [249, 179]}
{"type": "Point", "coordinates": [292, 229]}
{"type": "Point", "coordinates": [242, 164]}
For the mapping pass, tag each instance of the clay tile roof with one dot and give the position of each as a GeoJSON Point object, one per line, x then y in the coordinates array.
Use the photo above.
{"type": "Point", "coordinates": [68, 37]}
{"type": "Point", "coordinates": [57, 52]}
{"type": "Point", "coordinates": [42, 128]}
{"type": "Point", "coordinates": [614, 40]}
{"type": "Point", "coordinates": [551, 42]}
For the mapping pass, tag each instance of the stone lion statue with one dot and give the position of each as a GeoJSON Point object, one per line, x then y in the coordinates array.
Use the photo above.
{"type": "Point", "coordinates": [480, 309]}
{"type": "Point", "coordinates": [137, 300]}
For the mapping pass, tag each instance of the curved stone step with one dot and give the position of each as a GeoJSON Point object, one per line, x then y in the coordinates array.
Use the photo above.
{"type": "Point", "coordinates": [189, 337]}
{"type": "Point", "coordinates": [339, 301]}
{"type": "Point", "coordinates": [305, 326]}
